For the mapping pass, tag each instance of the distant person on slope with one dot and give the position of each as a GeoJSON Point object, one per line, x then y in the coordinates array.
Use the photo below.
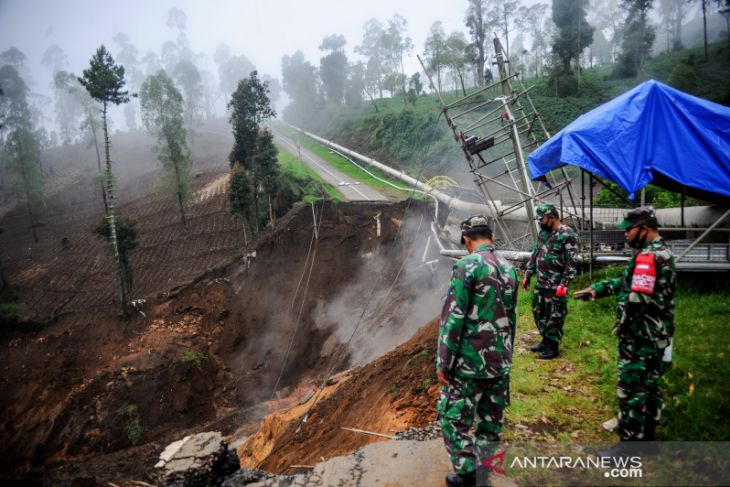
{"type": "Point", "coordinates": [474, 355]}
{"type": "Point", "coordinates": [644, 325]}
{"type": "Point", "coordinates": [554, 260]}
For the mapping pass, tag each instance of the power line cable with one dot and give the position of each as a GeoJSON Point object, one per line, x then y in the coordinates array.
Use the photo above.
{"type": "Point", "coordinates": [303, 301]}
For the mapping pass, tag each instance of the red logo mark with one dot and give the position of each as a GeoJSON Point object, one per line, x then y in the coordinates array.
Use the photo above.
{"type": "Point", "coordinates": [499, 457]}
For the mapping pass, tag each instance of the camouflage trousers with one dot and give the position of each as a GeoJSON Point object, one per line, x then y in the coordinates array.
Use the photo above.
{"type": "Point", "coordinates": [549, 313]}
{"type": "Point", "coordinates": [458, 405]}
{"type": "Point", "coordinates": [640, 371]}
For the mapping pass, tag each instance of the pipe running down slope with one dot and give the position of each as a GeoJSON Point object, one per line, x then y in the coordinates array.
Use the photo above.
{"type": "Point", "coordinates": [451, 201]}
{"type": "Point", "coordinates": [699, 216]}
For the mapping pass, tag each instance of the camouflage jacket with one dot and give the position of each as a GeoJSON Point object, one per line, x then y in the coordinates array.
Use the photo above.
{"type": "Point", "coordinates": [644, 316]}
{"type": "Point", "coordinates": [479, 317]}
{"type": "Point", "coordinates": [555, 258]}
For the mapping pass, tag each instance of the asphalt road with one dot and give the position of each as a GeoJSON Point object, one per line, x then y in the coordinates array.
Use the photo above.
{"type": "Point", "coordinates": [351, 189]}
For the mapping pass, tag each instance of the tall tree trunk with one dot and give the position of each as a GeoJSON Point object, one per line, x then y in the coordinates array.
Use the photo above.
{"type": "Point", "coordinates": [374, 105]}
{"type": "Point", "coordinates": [480, 65]}
{"type": "Point", "coordinates": [255, 204]}
{"type": "Point", "coordinates": [178, 186]}
{"type": "Point", "coordinates": [506, 37]}
{"type": "Point", "coordinates": [403, 78]}
{"type": "Point", "coordinates": [180, 197]}
{"type": "Point", "coordinates": [27, 190]}
{"type": "Point", "coordinates": [704, 24]}
{"type": "Point", "coordinates": [243, 227]}
{"type": "Point", "coordinates": [98, 165]}
{"type": "Point", "coordinates": [112, 217]}
{"type": "Point", "coordinates": [461, 78]}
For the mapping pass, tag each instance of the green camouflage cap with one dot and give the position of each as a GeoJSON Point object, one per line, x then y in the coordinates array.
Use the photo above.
{"type": "Point", "coordinates": [545, 210]}
{"type": "Point", "coordinates": [472, 223]}
{"type": "Point", "coordinates": [643, 215]}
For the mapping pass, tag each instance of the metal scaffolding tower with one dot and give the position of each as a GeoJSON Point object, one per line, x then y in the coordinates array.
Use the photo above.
{"type": "Point", "coordinates": [500, 127]}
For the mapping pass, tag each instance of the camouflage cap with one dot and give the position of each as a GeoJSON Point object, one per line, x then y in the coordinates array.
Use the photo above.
{"type": "Point", "coordinates": [643, 215]}
{"type": "Point", "coordinates": [545, 210]}
{"type": "Point", "coordinates": [475, 222]}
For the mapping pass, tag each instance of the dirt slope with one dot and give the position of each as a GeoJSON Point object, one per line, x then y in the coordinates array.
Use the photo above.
{"type": "Point", "coordinates": [395, 392]}
{"type": "Point", "coordinates": [80, 392]}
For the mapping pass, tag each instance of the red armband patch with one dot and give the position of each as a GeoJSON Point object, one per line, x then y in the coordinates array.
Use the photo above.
{"type": "Point", "coordinates": [644, 274]}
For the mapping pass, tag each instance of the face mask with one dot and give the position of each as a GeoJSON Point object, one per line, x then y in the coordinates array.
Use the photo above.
{"type": "Point", "coordinates": [638, 241]}
{"type": "Point", "coordinates": [547, 226]}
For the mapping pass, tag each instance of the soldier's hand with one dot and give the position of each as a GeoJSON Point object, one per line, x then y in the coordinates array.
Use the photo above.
{"type": "Point", "coordinates": [587, 294]}
{"type": "Point", "coordinates": [441, 377]}
{"type": "Point", "coordinates": [526, 284]}
{"type": "Point", "coordinates": [561, 291]}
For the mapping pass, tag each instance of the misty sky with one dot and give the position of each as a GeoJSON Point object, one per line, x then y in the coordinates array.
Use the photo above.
{"type": "Point", "coordinates": [262, 30]}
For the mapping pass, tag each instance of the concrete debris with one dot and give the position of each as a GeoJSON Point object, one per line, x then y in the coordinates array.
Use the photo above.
{"type": "Point", "coordinates": [246, 476]}
{"type": "Point", "coordinates": [430, 432]}
{"type": "Point", "coordinates": [197, 460]}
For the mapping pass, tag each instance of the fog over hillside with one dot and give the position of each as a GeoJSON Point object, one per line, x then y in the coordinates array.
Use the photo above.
{"type": "Point", "coordinates": [262, 32]}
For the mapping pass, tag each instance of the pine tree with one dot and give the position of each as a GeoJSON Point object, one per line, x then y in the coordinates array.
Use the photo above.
{"type": "Point", "coordinates": [104, 81]}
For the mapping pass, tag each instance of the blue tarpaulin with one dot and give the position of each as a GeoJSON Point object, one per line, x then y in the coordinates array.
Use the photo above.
{"type": "Point", "coordinates": [653, 133]}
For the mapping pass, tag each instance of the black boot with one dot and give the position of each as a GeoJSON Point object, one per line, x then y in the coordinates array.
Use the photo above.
{"type": "Point", "coordinates": [649, 446]}
{"type": "Point", "coordinates": [539, 347]}
{"type": "Point", "coordinates": [552, 350]}
{"type": "Point", "coordinates": [461, 480]}
{"type": "Point", "coordinates": [649, 430]}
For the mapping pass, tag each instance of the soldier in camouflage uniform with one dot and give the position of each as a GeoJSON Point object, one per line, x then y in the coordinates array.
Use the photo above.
{"type": "Point", "coordinates": [644, 325]}
{"type": "Point", "coordinates": [554, 260]}
{"type": "Point", "coordinates": [474, 356]}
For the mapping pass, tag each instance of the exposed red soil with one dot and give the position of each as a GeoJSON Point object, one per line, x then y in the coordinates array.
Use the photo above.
{"type": "Point", "coordinates": [217, 326]}
{"type": "Point", "coordinates": [68, 387]}
{"type": "Point", "coordinates": [395, 392]}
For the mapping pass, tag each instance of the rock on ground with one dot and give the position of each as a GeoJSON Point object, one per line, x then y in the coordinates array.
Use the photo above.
{"type": "Point", "coordinates": [197, 460]}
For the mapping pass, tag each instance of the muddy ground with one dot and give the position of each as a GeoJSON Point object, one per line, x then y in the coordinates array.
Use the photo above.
{"type": "Point", "coordinates": [90, 397]}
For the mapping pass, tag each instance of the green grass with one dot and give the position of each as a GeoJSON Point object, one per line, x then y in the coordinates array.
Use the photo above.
{"type": "Point", "coordinates": [577, 392]}
{"type": "Point", "coordinates": [132, 426]}
{"type": "Point", "coordinates": [348, 168]}
{"type": "Point", "coordinates": [196, 358]}
{"type": "Point", "coordinates": [311, 183]}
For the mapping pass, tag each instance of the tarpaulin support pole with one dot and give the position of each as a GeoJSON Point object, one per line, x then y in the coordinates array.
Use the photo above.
{"type": "Point", "coordinates": [590, 196]}
{"type": "Point", "coordinates": [583, 199]}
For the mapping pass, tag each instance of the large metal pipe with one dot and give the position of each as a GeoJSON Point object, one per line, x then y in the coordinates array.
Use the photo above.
{"type": "Point", "coordinates": [525, 256]}
{"type": "Point", "coordinates": [453, 202]}
{"type": "Point", "coordinates": [605, 218]}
